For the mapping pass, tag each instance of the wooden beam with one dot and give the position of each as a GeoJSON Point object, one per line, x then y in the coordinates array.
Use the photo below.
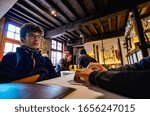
{"type": "Point", "coordinates": [109, 23]}
{"type": "Point", "coordinates": [47, 8]}
{"type": "Point", "coordinates": [15, 19]}
{"type": "Point", "coordinates": [82, 32]}
{"type": "Point", "coordinates": [69, 36]}
{"type": "Point", "coordinates": [139, 30]}
{"type": "Point", "coordinates": [88, 6]}
{"type": "Point", "coordinates": [81, 5]}
{"type": "Point", "coordinates": [76, 33]}
{"type": "Point", "coordinates": [93, 29]}
{"type": "Point", "coordinates": [28, 17]}
{"type": "Point", "coordinates": [85, 30]}
{"type": "Point", "coordinates": [65, 38]}
{"type": "Point", "coordinates": [144, 15]}
{"type": "Point", "coordinates": [118, 22]}
{"type": "Point", "coordinates": [88, 28]}
{"type": "Point", "coordinates": [97, 27]}
{"type": "Point", "coordinates": [23, 19]}
{"type": "Point", "coordinates": [34, 14]}
{"type": "Point", "coordinates": [104, 14]}
{"type": "Point", "coordinates": [62, 39]}
{"type": "Point", "coordinates": [55, 6]}
{"type": "Point", "coordinates": [36, 6]}
{"type": "Point", "coordinates": [105, 36]}
{"type": "Point", "coordinates": [101, 26]}
{"type": "Point", "coordinates": [72, 35]}
{"type": "Point", "coordinates": [65, 2]}
{"type": "Point", "coordinates": [75, 5]}
{"type": "Point", "coordinates": [100, 37]}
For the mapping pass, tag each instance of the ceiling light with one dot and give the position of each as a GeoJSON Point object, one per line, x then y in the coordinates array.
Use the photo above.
{"type": "Point", "coordinates": [81, 35]}
{"type": "Point", "coordinates": [148, 20]}
{"type": "Point", "coordinates": [54, 13]}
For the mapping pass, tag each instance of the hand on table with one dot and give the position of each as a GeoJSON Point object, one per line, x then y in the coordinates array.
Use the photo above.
{"type": "Point", "coordinates": [82, 75]}
{"type": "Point", "coordinates": [96, 67]}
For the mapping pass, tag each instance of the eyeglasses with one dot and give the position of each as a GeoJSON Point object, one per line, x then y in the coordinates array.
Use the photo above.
{"type": "Point", "coordinates": [33, 36]}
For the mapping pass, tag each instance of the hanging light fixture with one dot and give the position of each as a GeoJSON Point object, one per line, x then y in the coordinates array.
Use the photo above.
{"type": "Point", "coordinates": [53, 12]}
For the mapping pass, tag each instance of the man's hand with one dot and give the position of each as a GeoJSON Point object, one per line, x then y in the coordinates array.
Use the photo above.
{"type": "Point", "coordinates": [82, 75]}
{"type": "Point", "coordinates": [96, 67]}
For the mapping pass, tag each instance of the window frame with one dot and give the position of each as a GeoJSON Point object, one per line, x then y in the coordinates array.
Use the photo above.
{"type": "Point", "coordinates": [9, 40]}
{"type": "Point", "coordinates": [56, 50]}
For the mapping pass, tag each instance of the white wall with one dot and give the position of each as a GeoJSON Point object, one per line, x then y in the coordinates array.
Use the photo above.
{"type": "Point", "coordinates": [5, 5]}
{"type": "Point", "coordinates": [106, 43]}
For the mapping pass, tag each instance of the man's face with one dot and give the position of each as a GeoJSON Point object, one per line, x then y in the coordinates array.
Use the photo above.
{"type": "Point", "coordinates": [32, 40]}
{"type": "Point", "coordinates": [69, 58]}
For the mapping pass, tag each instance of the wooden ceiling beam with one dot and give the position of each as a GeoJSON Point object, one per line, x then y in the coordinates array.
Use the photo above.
{"type": "Point", "coordinates": [85, 30]}
{"type": "Point", "coordinates": [62, 39]}
{"type": "Point", "coordinates": [65, 38]}
{"type": "Point", "coordinates": [101, 37]}
{"type": "Point", "coordinates": [28, 17]}
{"type": "Point", "coordinates": [54, 5]}
{"type": "Point", "coordinates": [67, 4]}
{"type": "Point", "coordinates": [44, 13]}
{"type": "Point", "coordinates": [97, 27]}
{"type": "Point", "coordinates": [105, 14]}
{"type": "Point", "coordinates": [118, 22]}
{"type": "Point", "coordinates": [69, 36]}
{"type": "Point", "coordinates": [59, 39]}
{"type": "Point", "coordinates": [109, 23]}
{"type": "Point", "coordinates": [83, 8]}
{"type": "Point", "coordinates": [105, 36]}
{"type": "Point", "coordinates": [82, 32]}
{"type": "Point", "coordinates": [76, 33]}
{"type": "Point", "coordinates": [72, 35]}
{"type": "Point", "coordinates": [23, 19]}
{"type": "Point", "coordinates": [34, 14]}
{"type": "Point", "coordinates": [113, 10]}
{"type": "Point", "coordinates": [101, 26]}
{"type": "Point", "coordinates": [15, 19]}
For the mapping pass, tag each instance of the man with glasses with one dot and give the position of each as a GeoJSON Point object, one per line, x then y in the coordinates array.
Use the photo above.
{"type": "Point", "coordinates": [27, 64]}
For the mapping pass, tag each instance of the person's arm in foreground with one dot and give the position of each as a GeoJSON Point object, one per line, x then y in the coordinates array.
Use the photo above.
{"type": "Point", "coordinates": [133, 84]}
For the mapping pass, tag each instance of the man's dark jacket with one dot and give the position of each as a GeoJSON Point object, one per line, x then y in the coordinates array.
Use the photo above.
{"type": "Point", "coordinates": [31, 62]}
{"type": "Point", "coordinates": [62, 66]}
{"type": "Point", "coordinates": [130, 80]}
{"type": "Point", "coordinates": [85, 59]}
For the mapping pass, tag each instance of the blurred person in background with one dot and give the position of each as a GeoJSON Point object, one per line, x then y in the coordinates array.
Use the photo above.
{"type": "Point", "coordinates": [84, 59]}
{"type": "Point", "coordinates": [64, 63]}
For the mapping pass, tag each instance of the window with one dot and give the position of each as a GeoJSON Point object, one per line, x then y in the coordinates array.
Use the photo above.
{"type": "Point", "coordinates": [10, 40]}
{"type": "Point", "coordinates": [56, 53]}
{"type": "Point", "coordinates": [13, 32]}
{"type": "Point", "coordinates": [10, 47]}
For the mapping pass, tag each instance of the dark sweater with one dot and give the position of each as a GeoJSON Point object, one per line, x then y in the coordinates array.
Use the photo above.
{"type": "Point", "coordinates": [31, 62]}
{"type": "Point", "coordinates": [85, 59]}
{"type": "Point", "coordinates": [62, 66]}
{"type": "Point", "coordinates": [130, 80]}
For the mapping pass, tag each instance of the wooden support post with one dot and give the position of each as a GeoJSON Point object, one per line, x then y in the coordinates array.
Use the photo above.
{"type": "Point", "coordinates": [139, 30]}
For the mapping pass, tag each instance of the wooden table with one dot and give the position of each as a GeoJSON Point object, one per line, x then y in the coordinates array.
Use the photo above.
{"type": "Point", "coordinates": [82, 91]}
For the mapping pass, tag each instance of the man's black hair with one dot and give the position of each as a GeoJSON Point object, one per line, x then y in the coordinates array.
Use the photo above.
{"type": "Point", "coordinates": [29, 28]}
{"type": "Point", "coordinates": [83, 51]}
